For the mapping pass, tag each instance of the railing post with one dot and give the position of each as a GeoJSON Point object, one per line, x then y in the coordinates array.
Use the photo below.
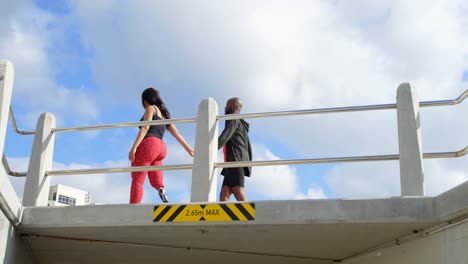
{"type": "Point", "coordinates": [7, 74]}
{"type": "Point", "coordinates": [204, 180]}
{"type": "Point", "coordinates": [409, 141]}
{"type": "Point", "coordinates": [36, 189]}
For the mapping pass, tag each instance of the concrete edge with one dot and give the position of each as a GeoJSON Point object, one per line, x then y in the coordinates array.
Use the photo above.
{"type": "Point", "coordinates": [392, 210]}
{"type": "Point", "coordinates": [10, 203]}
{"type": "Point", "coordinates": [452, 203]}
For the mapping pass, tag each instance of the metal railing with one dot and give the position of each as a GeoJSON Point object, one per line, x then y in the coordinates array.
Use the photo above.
{"type": "Point", "coordinates": [98, 170]}
{"type": "Point", "coordinates": [129, 124]}
{"type": "Point", "coordinates": [452, 154]}
{"type": "Point", "coordinates": [455, 101]}
{"type": "Point", "coordinates": [361, 108]}
{"type": "Point", "coordinates": [118, 170]}
{"type": "Point", "coordinates": [15, 127]}
{"type": "Point", "coordinates": [239, 164]}
{"type": "Point", "coordinates": [9, 171]}
{"type": "Point", "coordinates": [203, 168]}
{"type": "Point", "coordinates": [434, 155]}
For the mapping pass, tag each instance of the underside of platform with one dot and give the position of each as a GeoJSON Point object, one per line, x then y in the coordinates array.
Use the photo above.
{"type": "Point", "coordinates": [305, 231]}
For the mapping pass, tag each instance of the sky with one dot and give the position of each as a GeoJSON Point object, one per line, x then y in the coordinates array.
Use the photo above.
{"type": "Point", "coordinates": [87, 62]}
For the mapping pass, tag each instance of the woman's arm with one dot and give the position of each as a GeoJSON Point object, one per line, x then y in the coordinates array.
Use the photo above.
{"type": "Point", "coordinates": [149, 112]}
{"type": "Point", "coordinates": [173, 130]}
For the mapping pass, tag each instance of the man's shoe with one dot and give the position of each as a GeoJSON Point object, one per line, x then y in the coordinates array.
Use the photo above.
{"type": "Point", "coordinates": [162, 195]}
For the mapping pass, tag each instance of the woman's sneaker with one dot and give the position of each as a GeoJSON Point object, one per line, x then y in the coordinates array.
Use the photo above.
{"type": "Point", "coordinates": [162, 194]}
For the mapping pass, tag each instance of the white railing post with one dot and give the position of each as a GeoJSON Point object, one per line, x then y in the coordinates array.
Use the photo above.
{"type": "Point", "coordinates": [7, 74]}
{"type": "Point", "coordinates": [409, 141]}
{"type": "Point", "coordinates": [204, 178]}
{"type": "Point", "coordinates": [36, 188]}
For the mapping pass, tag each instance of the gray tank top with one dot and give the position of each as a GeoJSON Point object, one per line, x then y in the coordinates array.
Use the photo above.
{"type": "Point", "coordinates": [155, 131]}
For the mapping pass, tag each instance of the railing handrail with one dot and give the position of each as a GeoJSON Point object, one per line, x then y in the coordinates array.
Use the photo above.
{"type": "Point", "coordinates": [15, 127]}
{"type": "Point", "coordinates": [455, 101]}
{"type": "Point", "coordinates": [453, 154]}
{"type": "Point", "coordinates": [120, 169]}
{"type": "Point", "coordinates": [458, 153]}
{"type": "Point", "coordinates": [449, 102]}
{"type": "Point", "coordinates": [9, 171]}
{"type": "Point", "coordinates": [239, 164]}
{"type": "Point", "coordinates": [331, 110]}
{"type": "Point", "coordinates": [431, 155]}
{"type": "Point", "coordinates": [104, 126]}
{"type": "Point", "coordinates": [127, 124]}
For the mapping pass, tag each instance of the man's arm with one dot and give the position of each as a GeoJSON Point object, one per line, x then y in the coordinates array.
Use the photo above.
{"type": "Point", "coordinates": [229, 129]}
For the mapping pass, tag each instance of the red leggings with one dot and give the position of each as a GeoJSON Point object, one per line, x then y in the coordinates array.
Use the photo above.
{"type": "Point", "coordinates": [150, 152]}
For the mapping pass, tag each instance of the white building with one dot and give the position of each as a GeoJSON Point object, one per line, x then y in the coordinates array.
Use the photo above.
{"type": "Point", "coordinates": [61, 195]}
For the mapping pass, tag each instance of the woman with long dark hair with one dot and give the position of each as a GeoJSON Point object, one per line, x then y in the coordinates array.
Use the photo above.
{"type": "Point", "coordinates": [149, 148]}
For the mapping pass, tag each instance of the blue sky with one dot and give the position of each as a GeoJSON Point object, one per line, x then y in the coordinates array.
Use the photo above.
{"type": "Point", "coordinates": [88, 63]}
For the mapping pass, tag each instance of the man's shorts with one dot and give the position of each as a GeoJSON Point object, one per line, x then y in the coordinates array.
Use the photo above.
{"type": "Point", "coordinates": [235, 177]}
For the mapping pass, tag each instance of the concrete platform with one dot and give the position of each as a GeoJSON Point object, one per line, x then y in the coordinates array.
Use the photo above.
{"type": "Point", "coordinates": [302, 231]}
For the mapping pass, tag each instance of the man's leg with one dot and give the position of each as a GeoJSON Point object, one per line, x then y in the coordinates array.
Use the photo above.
{"type": "Point", "coordinates": [225, 193]}
{"type": "Point", "coordinates": [238, 185]}
{"type": "Point", "coordinates": [239, 193]}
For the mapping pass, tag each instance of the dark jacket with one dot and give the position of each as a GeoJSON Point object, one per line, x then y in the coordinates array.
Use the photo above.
{"type": "Point", "coordinates": [236, 138]}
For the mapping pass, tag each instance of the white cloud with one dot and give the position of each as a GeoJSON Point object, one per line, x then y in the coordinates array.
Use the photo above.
{"type": "Point", "coordinates": [28, 34]}
{"type": "Point", "coordinates": [444, 174]}
{"type": "Point", "coordinates": [276, 182]}
{"type": "Point", "coordinates": [283, 55]}
{"type": "Point", "coordinates": [314, 192]}
{"type": "Point", "coordinates": [363, 180]}
{"type": "Point", "coordinates": [295, 54]}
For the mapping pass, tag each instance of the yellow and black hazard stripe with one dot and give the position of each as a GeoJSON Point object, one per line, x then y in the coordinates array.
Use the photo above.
{"type": "Point", "coordinates": [204, 212]}
{"type": "Point", "coordinates": [165, 210]}
{"type": "Point", "coordinates": [234, 216]}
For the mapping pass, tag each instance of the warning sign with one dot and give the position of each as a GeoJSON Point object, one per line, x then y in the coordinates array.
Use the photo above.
{"type": "Point", "coordinates": [204, 212]}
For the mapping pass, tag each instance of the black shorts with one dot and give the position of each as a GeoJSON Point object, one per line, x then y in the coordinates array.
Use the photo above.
{"type": "Point", "coordinates": [233, 177]}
